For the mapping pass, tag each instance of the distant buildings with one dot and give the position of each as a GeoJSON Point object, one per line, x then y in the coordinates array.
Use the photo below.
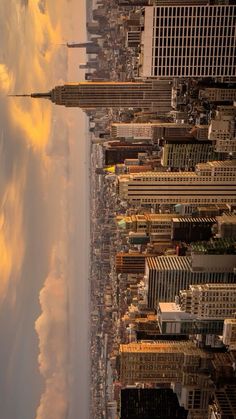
{"type": "Point", "coordinates": [193, 40]}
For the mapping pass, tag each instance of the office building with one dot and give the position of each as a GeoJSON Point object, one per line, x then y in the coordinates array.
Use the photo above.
{"type": "Point", "coordinates": [189, 41]}
{"type": "Point", "coordinates": [173, 320]}
{"type": "Point", "coordinates": [222, 129]}
{"type": "Point", "coordinates": [165, 276]}
{"type": "Point", "coordinates": [218, 94]}
{"type": "Point", "coordinates": [191, 229]}
{"type": "Point", "coordinates": [185, 155]}
{"type": "Point", "coordinates": [223, 405]}
{"type": "Point", "coordinates": [211, 183]}
{"type": "Point", "coordinates": [157, 227]}
{"type": "Point", "coordinates": [209, 301]}
{"type": "Point", "coordinates": [117, 152]}
{"type": "Point", "coordinates": [226, 226]}
{"type": "Point", "coordinates": [200, 132]}
{"type": "Point", "coordinates": [157, 362]}
{"type": "Point", "coordinates": [150, 403]}
{"type": "Point", "coordinates": [130, 263]}
{"type": "Point", "coordinates": [229, 333]}
{"type": "Point", "coordinates": [153, 95]}
{"type": "Point", "coordinates": [149, 131]}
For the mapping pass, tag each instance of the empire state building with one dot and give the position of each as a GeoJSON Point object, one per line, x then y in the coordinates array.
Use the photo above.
{"type": "Point", "coordinates": [154, 95]}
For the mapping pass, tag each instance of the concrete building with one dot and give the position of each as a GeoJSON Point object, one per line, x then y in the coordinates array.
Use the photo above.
{"type": "Point", "coordinates": [209, 301]}
{"type": "Point", "coordinates": [189, 40]}
{"type": "Point", "coordinates": [222, 130]}
{"type": "Point", "coordinates": [157, 362]}
{"type": "Point", "coordinates": [130, 262]}
{"type": "Point", "coordinates": [229, 333]}
{"type": "Point", "coordinates": [226, 226]}
{"type": "Point", "coordinates": [223, 404]}
{"type": "Point", "coordinates": [165, 276]}
{"type": "Point", "coordinates": [180, 363]}
{"type": "Point", "coordinates": [157, 227]}
{"type": "Point", "coordinates": [191, 229]}
{"type": "Point", "coordinates": [218, 94]}
{"type": "Point", "coordinates": [149, 131]}
{"type": "Point", "coordinates": [211, 183]}
{"type": "Point", "coordinates": [117, 152]}
{"type": "Point", "coordinates": [187, 154]}
{"type": "Point", "coordinates": [174, 321]}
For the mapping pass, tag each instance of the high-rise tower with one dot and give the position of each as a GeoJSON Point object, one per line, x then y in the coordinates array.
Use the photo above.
{"type": "Point", "coordinates": [189, 39]}
{"type": "Point", "coordinates": [148, 94]}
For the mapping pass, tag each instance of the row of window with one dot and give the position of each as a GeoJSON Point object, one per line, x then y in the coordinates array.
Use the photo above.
{"type": "Point", "coordinates": [217, 42]}
{"type": "Point", "coordinates": [203, 21]}
{"type": "Point", "coordinates": [196, 11]}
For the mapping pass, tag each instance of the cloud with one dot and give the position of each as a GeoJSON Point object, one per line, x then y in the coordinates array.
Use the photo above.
{"type": "Point", "coordinates": [53, 404]}
{"type": "Point", "coordinates": [52, 330]}
{"type": "Point", "coordinates": [42, 6]}
{"type": "Point", "coordinates": [58, 145]}
{"type": "Point", "coordinates": [5, 79]}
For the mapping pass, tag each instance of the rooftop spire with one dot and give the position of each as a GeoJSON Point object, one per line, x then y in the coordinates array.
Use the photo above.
{"type": "Point", "coordinates": [46, 95]}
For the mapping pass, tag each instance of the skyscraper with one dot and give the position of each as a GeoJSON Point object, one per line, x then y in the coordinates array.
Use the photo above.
{"type": "Point", "coordinates": [194, 40]}
{"type": "Point", "coordinates": [149, 94]}
{"type": "Point", "coordinates": [211, 183]}
{"type": "Point", "coordinates": [159, 362]}
{"type": "Point", "coordinates": [187, 154]}
{"type": "Point", "coordinates": [165, 276]}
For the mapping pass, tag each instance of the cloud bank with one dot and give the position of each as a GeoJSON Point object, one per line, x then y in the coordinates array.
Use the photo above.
{"type": "Point", "coordinates": [52, 330]}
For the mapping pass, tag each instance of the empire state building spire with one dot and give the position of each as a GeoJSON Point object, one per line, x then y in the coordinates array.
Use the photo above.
{"type": "Point", "coordinates": [46, 95]}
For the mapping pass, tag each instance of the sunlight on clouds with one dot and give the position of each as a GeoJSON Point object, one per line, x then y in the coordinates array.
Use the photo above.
{"type": "Point", "coordinates": [11, 238]}
{"type": "Point", "coordinates": [33, 117]}
{"type": "Point", "coordinates": [52, 330]}
{"type": "Point", "coordinates": [35, 122]}
{"type": "Point", "coordinates": [5, 79]}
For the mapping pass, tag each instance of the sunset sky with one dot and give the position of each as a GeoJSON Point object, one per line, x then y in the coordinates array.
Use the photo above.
{"type": "Point", "coordinates": [44, 216]}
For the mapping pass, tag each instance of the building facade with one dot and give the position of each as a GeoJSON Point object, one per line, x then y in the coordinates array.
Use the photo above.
{"type": "Point", "coordinates": [139, 131]}
{"type": "Point", "coordinates": [186, 155]}
{"type": "Point", "coordinates": [216, 301]}
{"type": "Point", "coordinates": [165, 276]}
{"type": "Point", "coordinates": [189, 41]}
{"type": "Point", "coordinates": [150, 94]}
{"type": "Point", "coordinates": [211, 183]}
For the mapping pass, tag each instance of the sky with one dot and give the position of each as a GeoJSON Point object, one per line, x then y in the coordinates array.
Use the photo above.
{"type": "Point", "coordinates": [44, 216]}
